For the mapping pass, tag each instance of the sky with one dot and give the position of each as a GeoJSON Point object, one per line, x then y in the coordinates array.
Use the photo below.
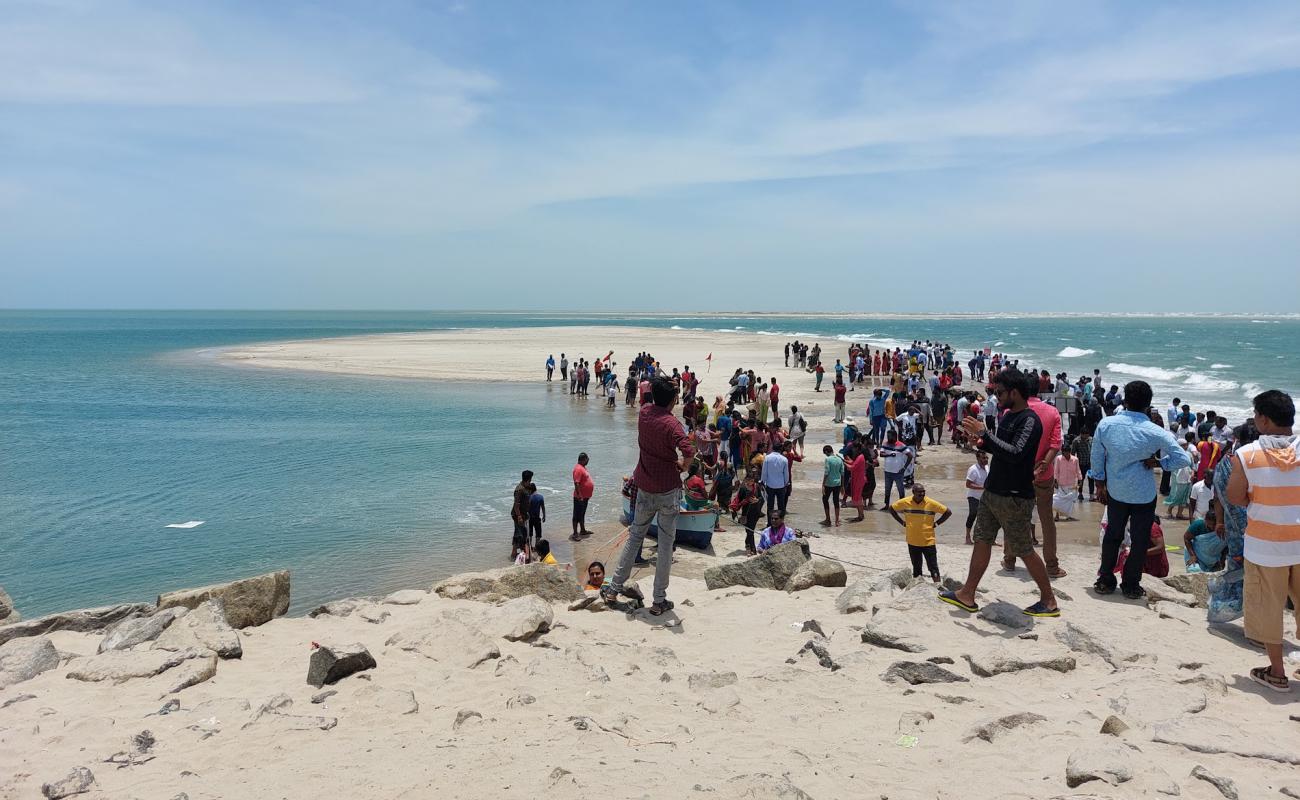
{"type": "Point", "coordinates": [657, 156]}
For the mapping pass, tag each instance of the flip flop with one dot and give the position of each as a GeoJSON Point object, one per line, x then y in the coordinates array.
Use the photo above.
{"type": "Point", "coordinates": [950, 597]}
{"type": "Point", "coordinates": [1040, 610]}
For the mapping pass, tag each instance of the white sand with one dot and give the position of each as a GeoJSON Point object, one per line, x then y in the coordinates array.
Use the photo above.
{"type": "Point", "coordinates": [648, 733]}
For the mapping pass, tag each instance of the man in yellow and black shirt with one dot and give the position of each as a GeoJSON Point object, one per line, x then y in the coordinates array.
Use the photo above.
{"type": "Point", "coordinates": [920, 516]}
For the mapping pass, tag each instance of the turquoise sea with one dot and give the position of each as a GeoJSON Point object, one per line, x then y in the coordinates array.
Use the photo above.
{"type": "Point", "coordinates": [115, 424]}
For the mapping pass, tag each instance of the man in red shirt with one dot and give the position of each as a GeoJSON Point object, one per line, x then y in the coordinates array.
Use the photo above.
{"type": "Point", "coordinates": [840, 393]}
{"type": "Point", "coordinates": [658, 479]}
{"type": "Point", "coordinates": [583, 488]}
{"type": "Point", "coordinates": [774, 395]}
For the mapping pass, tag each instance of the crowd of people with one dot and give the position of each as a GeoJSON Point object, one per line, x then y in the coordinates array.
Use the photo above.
{"type": "Point", "coordinates": [1041, 443]}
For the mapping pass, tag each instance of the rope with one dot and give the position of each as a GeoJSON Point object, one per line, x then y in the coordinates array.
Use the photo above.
{"type": "Point", "coordinates": [843, 560]}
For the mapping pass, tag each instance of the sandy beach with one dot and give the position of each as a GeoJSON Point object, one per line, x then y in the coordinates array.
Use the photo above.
{"type": "Point", "coordinates": [869, 690]}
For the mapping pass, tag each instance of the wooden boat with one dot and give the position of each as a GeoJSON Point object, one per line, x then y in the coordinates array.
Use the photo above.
{"type": "Point", "coordinates": [694, 526]}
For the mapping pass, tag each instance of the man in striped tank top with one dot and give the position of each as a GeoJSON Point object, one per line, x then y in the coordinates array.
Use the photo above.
{"type": "Point", "coordinates": [1266, 480]}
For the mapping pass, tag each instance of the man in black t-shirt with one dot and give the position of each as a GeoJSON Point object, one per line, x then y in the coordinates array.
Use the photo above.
{"type": "Point", "coordinates": [1008, 500]}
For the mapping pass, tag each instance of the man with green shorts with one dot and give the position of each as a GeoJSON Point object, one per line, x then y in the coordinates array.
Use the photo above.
{"type": "Point", "coordinates": [1008, 501]}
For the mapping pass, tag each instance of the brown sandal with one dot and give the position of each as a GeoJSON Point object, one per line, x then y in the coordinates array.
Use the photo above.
{"type": "Point", "coordinates": [1264, 677]}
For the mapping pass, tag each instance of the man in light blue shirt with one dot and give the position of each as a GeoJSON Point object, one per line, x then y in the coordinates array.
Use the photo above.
{"type": "Point", "coordinates": [1124, 450]}
{"type": "Point", "coordinates": [776, 477]}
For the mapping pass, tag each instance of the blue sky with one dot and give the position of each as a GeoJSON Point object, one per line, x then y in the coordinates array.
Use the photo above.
{"type": "Point", "coordinates": [905, 156]}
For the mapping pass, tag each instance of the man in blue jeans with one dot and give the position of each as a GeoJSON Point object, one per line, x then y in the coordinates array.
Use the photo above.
{"type": "Point", "coordinates": [876, 411]}
{"type": "Point", "coordinates": [1125, 449]}
{"type": "Point", "coordinates": [895, 457]}
{"type": "Point", "coordinates": [658, 477]}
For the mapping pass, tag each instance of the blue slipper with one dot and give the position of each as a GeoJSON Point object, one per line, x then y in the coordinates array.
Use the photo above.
{"type": "Point", "coordinates": [950, 597]}
{"type": "Point", "coordinates": [1040, 610]}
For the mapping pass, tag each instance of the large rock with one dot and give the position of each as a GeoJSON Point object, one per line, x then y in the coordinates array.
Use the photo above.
{"type": "Point", "coordinates": [136, 630]}
{"type": "Point", "coordinates": [856, 598]}
{"type": "Point", "coordinates": [1150, 699]}
{"type": "Point", "coordinates": [918, 672]}
{"type": "Point", "coordinates": [405, 597]}
{"type": "Point", "coordinates": [988, 730]}
{"type": "Point", "coordinates": [455, 641]}
{"type": "Point", "coordinates": [204, 628]}
{"type": "Point", "coordinates": [1203, 735]}
{"type": "Point", "coordinates": [121, 665]}
{"type": "Point", "coordinates": [900, 623]}
{"type": "Point", "coordinates": [78, 781]}
{"type": "Point", "coordinates": [521, 619]}
{"type": "Point", "coordinates": [1196, 584]}
{"type": "Point", "coordinates": [1006, 615]}
{"type": "Point", "coordinates": [8, 613]}
{"type": "Point", "coordinates": [337, 608]}
{"type": "Point", "coordinates": [770, 570]}
{"type": "Point", "coordinates": [24, 659]}
{"type": "Point", "coordinates": [330, 664]}
{"type": "Point", "coordinates": [1111, 763]}
{"type": "Point", "coordinates": [193, 672]}
{"type": "Point", "coordinates": [251, 601]}
{"type": "Point", "coordinates": [1161, 592]}
{"type": "Point", "coordinates": [1082, 639]}
{"type": "Point", "coordinates": [552, 584]}
{"type": "Point", "coordinates": [817, 572]}
{"type": "Point", "coordinates": [998, 660]}
{"type": "Point", "coordinates": [82, 621]}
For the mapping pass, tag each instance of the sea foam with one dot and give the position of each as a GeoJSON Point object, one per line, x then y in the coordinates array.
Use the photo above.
{"type": "Point", "coordinates": [1154, 373]}
{"type": "Point", "coordinates": [1074, 352]}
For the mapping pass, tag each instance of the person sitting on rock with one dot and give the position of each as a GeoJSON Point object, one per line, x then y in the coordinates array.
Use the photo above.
{"type": "Point", "coordinates": [776, 533]}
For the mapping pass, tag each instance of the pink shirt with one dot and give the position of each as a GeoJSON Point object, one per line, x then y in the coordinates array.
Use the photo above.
{"type": "Point", "coordinates": [1067, 471]}
{"type": "Point", "coordinates": [1051, 439]}
{"type": "Point", "coordinates": [583, 486]}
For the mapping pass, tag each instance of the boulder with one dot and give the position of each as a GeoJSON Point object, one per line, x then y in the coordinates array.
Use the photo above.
{"type": "Point", "coordinates": [135, 630]}
{"type": "Point", "coordinates": [330, 664]}
{"type": "Point", "coordinates": [817, 572]}
{"type": "Point", "coordinates": [819, 651]}
{"type": "Point", "coordinates": [78, 781]}
{"type": "Point", "coordinates": [998, 661]}
{"type": "Point", "coordinates": [337, 608]}
{"type": "Point", "coordinates": [550, 583]}
{"type": "Point", "coordinates": [82, 621]}
{"type": "Point", "coordinates": [1226, 786]}
{"type": "Point", "coordinates": [373, 613]}
{"type": "Point", "coordinates": [918, 672]}
{"type": "Point", "coordinates": [248, 602]}
{"type": "Point", "coordinates": [1113, 726]}
{"type": "Point", "coordinates": [405, 597]}
{"type": "Point", "coordinates": [1159, 591]}
{"type": "Point", "coordinates": [454, 641]}
{"type": "Point", "coordinates": [24, 659]}
{"type": "Point", "coordinates": [1110, 763]}
{"type": "Point", "coordinates": [989, 730]}
{"type": "Point", "coordinates": [1201, 734]}
{"type": "Point", "coordinates": [770, 570]}
{"type": "Point", "coordinates": [1196, 584]}
{"type": "Point", "coordinates": [8, 613]}
{"type": "Point", "coordinates": [856, 598]}
{"type": "Point", "coordinates": [520, 619]}
{"type": "Point", "coordinates": [1082, 639]}
{"type": "Point", "coordinates": [204, 628]}
{"type": "Point", "coordinates": [388, 701]}
{"type": "Point", "coordinates": [1006, 615]}
{"type": "Point", "coordinates": [193, 672]}
{"type": "Point", "coordinates": [899, 639]}
{"type": "Point", "coordinates": [899, 622]}
{"type": "Point", "coordinates": [121, 665]}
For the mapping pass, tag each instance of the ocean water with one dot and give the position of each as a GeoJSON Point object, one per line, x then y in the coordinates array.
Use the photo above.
{"type": "Point", "coordinates": [115, 424]}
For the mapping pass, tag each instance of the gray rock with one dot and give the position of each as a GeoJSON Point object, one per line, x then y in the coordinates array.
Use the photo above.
{"type": "Point", "coordinates": [24, 659]}
{"type": "Point", "coordinates": [1206, 683]}
{"type": "Point", "coordinates": [193, 672]}
{"type": "Point", "coordinates": [914, 721]}
{"type": "Point", "coordinates": [821, 653]}
{"type": "Point", "coordinates": [137, 630]}
{"type": "Point", "coordinates": [337, 608]}
{"type": "Point", "coordinates": [1148, 700]}
{"type": "Point", "coordinates": [701, 681]}
{"type": "Point", "coordinates": [1006, 615]}
{"type": "Point", "coordinates": [247, 602]}
{"type": "Point", "coordinates": [122, 665]}
{"type": "Point", "coordinates": [1291, 790]}
{"type": "Point", "coordinates": [521, 619]}
{"type": "Point", "coordinates": [330, 664]}
{"type": "Point", "coordinates": [464, 716]}
{"type": "Point", "coordinates": [812, 625]}
{"type": "Point", "coordinates": [918, 672]}
{"type": "Point", "coordinates": [1196, 584]}
{"type": "Point", "coordinates": [1113, 726]}
{"type": "Point", "coordinates": [82, 621]}
{"type": "Point", "coordinates": [770, 570]}
{"type": "Point", "coordinates": [203, 628]}
{"type": "Point", "coordinates": [890, 639]}
{"type": "Point", "coordinates": [998, 661]}
{"type": "Point", "coordinates": [761, 786]}
{"type": "Point", "coordinates": [552, 584]}
{"type": "Point", "coordinates": [406, 597]}
{"type": "Point", "coordinates": [855, 598]}
{"type": "Point", "coordinates": [1159, 591]}
{"type": "Point", "coordinates": [1083, 639]}
{"type": "Point", "coordinates": [455, 641]}
{"type": "Point", "coordinates": [372, 613]}
{"type": "Point", "coordinates": [900, 578]}
{"type": "Point", "coordinates": [1110, 763]}
{"type": "Point", "coordinates": [989, 730]}
{"type": "Point", "coordinates": [1200, 734]}
{"type": "Point", "coordinates": [78, 781]}
{"type": "Point", "coordinates": [817, 572]}
{"type": "Point", "coordinates": [1226, 786]}
{"type": "Point", "coordinates": [954, 699]}
{"type": "Point", "coordinates": [8, 614]}
{"type": "Point", "coordinates": [321, 697]}
{"type": "Point", "coordinates": [277, 704]}
{"type": "Point", "coordinates": [940, 660]}
{"type": "Point", "coordinates": [274, 714]}
{"type": "Point", "coordinates": [389, 701]}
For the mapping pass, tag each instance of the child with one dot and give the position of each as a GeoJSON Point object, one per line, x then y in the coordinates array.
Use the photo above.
{"type": "Point", "coordinates": [923, 516]}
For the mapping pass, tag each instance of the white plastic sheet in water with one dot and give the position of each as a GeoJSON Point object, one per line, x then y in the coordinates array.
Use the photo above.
{"type": "Point", "coordinates": [194, 523]}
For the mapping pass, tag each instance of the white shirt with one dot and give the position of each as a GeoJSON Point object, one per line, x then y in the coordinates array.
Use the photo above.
{"type": "Point", "coordinates": [776, 471]}
{"type": "Point", "coordinates": [1202, 492]}
{"type": "Point", "coordinates": [977, 474]}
